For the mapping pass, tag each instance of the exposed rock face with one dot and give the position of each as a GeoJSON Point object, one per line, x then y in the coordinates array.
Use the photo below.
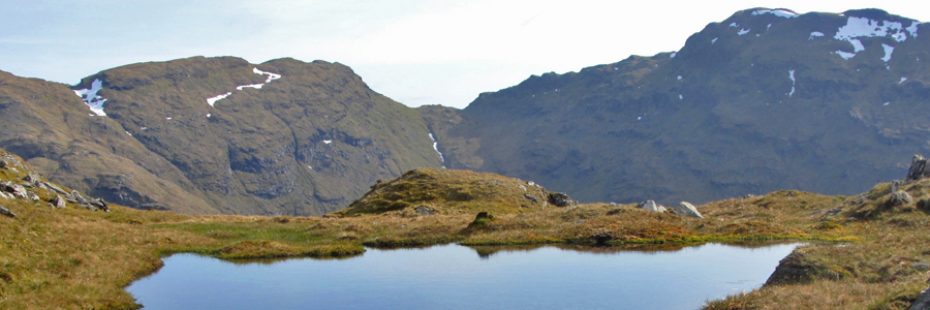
{"type": "Point", "coordinates": [686, 209]}
{"type": "Point", "coordinates": [918, 168]}
{"type": "Point", "coordinates": [560, 199]}
{"type": "Point", "coordinates": [922, 302]}
{"type": "Point", "coordinates": [651, 206]}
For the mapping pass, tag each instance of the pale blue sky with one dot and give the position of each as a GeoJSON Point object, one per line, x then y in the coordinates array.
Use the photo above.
{"type": "Point", "coordinates": [415, 51]}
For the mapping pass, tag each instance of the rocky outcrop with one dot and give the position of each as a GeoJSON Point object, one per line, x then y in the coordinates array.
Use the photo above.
{"type": "Point", "coordinates": [29, 186]}
{"type": "Point", "coordinates": [686, 209]}
{"type": "Point", "coordinates": [651, 206]}
{"type": "Point", "coordinates": [922, 302]}
{"type": "Point", "coordinates": [918, 168]}
{"type": "Point", "coordinates": [560, 199]}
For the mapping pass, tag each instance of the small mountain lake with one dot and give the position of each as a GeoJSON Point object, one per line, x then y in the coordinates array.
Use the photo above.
{"type": "Point", "coordinates": [459, 277]}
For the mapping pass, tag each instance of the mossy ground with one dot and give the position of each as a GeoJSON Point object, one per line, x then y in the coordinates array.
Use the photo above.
{"type": "Point", "coordinates": [74, 258]}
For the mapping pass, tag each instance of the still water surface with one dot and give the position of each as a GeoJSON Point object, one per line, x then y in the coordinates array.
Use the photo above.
{"type": "Point", "coordinates": [457, 277]}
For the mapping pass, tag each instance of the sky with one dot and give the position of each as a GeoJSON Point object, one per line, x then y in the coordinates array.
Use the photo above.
{"type": "Point", "coordinates": [417, 52]}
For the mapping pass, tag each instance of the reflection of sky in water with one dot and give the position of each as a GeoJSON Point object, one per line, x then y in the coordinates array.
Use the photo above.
{"type": "Point", "coordinates": [455, 277]}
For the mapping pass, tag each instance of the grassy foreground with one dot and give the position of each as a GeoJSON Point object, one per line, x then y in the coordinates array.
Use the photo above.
{"type": "Point", "coordinates": [871, 255]}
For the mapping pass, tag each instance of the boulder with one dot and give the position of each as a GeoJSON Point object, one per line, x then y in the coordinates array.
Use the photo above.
{"type": "Point", "coordinates": [58, 202]}
{"type": "Point", "coordinates": [560, 199]}
{"type": "Point", "coordinates": [686, 209]}
{"type": "Point", "coordinates": [899, 198]}
{"type": "Point", "coordinates": [424, 210]}
{"type": "Point", "coordinates": [918, 168]}
{"type": "Point", "coordinates": [922, 302]}
{"type": "Point", "coordinates": [651, 206]}
{"type": "Point", "coordinates": [6, 212]}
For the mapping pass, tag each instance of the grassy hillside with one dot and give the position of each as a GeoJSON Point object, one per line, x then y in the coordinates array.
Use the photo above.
{"type": "Point", "coordinates": [861, 253]}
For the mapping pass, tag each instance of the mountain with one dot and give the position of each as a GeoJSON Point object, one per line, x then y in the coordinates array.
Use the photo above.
{"type": "Point", "coordinates": [215, 135]}
{"type": "Point", "coordinates": [766, 99]}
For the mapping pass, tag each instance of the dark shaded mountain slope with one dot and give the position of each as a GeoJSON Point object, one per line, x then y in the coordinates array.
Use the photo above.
{"type": "Point", "coordinates": [764, 100]}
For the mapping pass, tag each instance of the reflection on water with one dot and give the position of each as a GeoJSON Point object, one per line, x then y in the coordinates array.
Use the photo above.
{"type": "Point", "coordinates": [453, 277]}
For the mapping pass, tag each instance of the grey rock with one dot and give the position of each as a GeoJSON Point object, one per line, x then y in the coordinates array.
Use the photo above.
{"type": "Point", "coordinates": [5, 195]}
{"type": "Point", "coordinates": [918, 168]}
{"type": "Point", "coordinates": [651, 206]}
{"type": "Point", "coordinates": [899, 198]}
{"type": "Point", "coordinates": [922, 302]}
{"type": "Point", "coordinates": [59, 202]}
{"type": "Point", "coordinates": [560, 199]}
{"type": "Point", "coordinates": [6, 212]}
{"type": "Point", "coordinates": [532, 198]}
{"type": "Point", "coordinates": [686, 209]}
{"type": "Point", "coordinates": [15, 189]}
{"type": "Point", "coordinates": [424, 210]}
{"type": "Point", "coordinates": [921, 266]}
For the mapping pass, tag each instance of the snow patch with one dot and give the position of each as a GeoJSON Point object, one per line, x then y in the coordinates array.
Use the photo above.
{"type": "Point", "coordinates": [91, 98]}
{"type": "Point", "coordinates": [888, 50]}
{"type": "Point", "coordinates": [327, 141]}
{"type": "Point", "coordinates": [777, 12]}
{"type": "Point", "coordinates": [168, 118]}
{"type": "Point", "coordinates": [212, 100]}
{"type": "Point", "coordinates": [815, 34]}
{"type": "Point", "coordinates": [713, 41]}
{"type": "Point", "coordinates": [857, 45]}
{"type": "Point", "coordinates": [858, 27]}
{"type": "Point", "coordinates": [209, 115]}
{"type": "Point", "coordinates": [679, 78]}
{"type": "Point", "coordinates": [793, 82]}
{"type": "Point", "coordinates": [442, 159]}
{"type": "Point", "coordinates": [271, 77]}
{"type": "Point", "coordinates": [734, 25]}
{"type": "Point", "coordinates": [903, 79]}
{"type": "Point", "coordinates": [669, 56]}
{"type": "Point", "coordinates": [680, 97]}
{"type": "Point", "coordinates": [846, 55]}
{"type": "Point", "coordinates": [742, 32]}
{"type": "Point", "coordinates": [912, 29]}
{"type": "Point", "coordinates": [886, 104]}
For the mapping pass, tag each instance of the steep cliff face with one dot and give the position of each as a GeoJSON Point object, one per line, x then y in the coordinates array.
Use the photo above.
{"type": "Point", "coordinates": [764, 100]}
{"type": "Point", "coordinates": [221, 134]}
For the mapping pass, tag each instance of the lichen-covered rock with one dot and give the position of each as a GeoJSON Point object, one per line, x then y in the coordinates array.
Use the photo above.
{"type": "Point", "coordinates": [424, 210]}
{"type": "Point", "coordinates": [686, 209]}
{"type": "Point", "coordinates": [899, 198]}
